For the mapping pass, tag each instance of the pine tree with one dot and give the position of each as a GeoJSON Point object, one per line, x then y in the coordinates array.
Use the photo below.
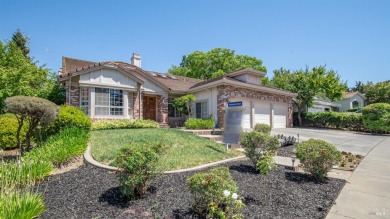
{"type": "Point", "coordinates": [22, 42]}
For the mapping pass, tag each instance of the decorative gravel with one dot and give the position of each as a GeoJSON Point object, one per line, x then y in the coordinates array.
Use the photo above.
{"type": "Point", "coordinates": [90, 192]}
{"type": "Point", "coordinates": [287, 151]}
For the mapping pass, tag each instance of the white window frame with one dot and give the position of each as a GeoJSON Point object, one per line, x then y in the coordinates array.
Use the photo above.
{"type": "Point", "coordinates": [109, 106]}
{"type": "Point", "coordinates": [130, 103]}
{"type": "Point", "coordinates": [204, 109]}
{"type": "Point", "coordinates": [84, 100]}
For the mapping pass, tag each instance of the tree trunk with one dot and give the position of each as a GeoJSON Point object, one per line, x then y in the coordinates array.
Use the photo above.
{"type": "Point", "coordinates": [20, 122]}
{"type": "Point", "coordinates": [299, 117]}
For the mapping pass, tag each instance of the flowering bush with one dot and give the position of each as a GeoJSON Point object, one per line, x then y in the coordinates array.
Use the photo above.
{"type": "Point", "coordinates": [215, 194]}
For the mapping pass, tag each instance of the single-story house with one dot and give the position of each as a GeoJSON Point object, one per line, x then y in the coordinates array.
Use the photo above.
{"type": "Point", "coordinates": [352, 100]}
{"type": "Point", "coordinates": [321, 105]}
{"type": "Point", "coordinates": [120, 90]}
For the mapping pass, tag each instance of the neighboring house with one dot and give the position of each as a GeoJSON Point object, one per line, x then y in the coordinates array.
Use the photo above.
{"type": "Point", "coordinates": [352, 100]}
{"type": "Point", "coordinates": [320, 105]}
{"type": "Point", "coordinates": [119, 90]}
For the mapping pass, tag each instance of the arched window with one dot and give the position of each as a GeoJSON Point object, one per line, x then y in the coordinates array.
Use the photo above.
{"type": "Point", "coordinates": [355, 104]}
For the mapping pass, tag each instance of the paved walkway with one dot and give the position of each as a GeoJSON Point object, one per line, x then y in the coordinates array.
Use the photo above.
{"type": "Point", "coordinates": [367, 192]}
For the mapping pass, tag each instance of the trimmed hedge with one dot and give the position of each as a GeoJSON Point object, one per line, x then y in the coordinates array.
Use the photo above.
{"type": "Point", "coordinates": [123, 124]}
{"type": "Point", "coordinates": [376, 117]}
{"type": "Point", "coordinates": [338, 120]}
{"type": "Point", "coordinates": [8, 128]}
{"type": "Point", "coordinates": [195, 123]}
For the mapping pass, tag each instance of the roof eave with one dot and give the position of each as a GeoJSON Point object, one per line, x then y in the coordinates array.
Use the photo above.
{"type": "Point", "coordinates": [243, 84]}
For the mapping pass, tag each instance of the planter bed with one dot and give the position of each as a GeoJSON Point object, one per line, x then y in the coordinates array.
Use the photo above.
{"type": "Point", "coordinates": [90, 192]}
{"type": "Point", "coordinates": [287, 151]}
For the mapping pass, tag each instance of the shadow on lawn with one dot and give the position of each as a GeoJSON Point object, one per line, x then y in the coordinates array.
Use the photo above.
{"type": "Point", "coordinates": [215, 149]}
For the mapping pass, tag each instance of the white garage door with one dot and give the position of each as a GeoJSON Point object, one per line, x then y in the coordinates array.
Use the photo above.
{"type": "Point", "coordinates": [262, 113]}
{"type": "Point", "coordinates": [246, 115]}
{"type": "Point", "coordinates": [280, 115]}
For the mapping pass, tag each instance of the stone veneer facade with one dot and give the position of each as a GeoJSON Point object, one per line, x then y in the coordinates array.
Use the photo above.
{"type": "Point", "coordinates": [227, 92]}
{"type": "Point", "coordinates": [162, 109]}
{"type": "Point", "coordinates": [74, 94]}
{"type": "Point", "coordinates": [137, 105]}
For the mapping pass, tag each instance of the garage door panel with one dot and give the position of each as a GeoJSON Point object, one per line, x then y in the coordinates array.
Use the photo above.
{"type": "Point", "coordinates": [262, 113]}
{"type": "Point", "coordinates": [246, 115]}
{"type": "Point", "coordinates": [280, 116]}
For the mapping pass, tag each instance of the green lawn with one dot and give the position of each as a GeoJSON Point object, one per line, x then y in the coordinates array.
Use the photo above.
{"type": "Point", "coordinates": [185, 149]}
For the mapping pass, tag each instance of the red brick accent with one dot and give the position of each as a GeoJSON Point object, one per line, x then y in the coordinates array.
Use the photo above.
{"type": "Point", "coordinates": [162, 109]}
{"type": "Point", "coordinates": [228, 92]}
{"type": "Point", "coordinates": [137, 98]}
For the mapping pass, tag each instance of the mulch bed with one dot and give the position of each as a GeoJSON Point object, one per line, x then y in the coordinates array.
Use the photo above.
{"type": "Point", "coordinates": [286, 151]}
{"type": "Point", "coordinates": [90, 192]}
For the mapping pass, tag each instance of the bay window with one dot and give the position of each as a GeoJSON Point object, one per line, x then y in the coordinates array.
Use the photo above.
{"type": "Point", "coordinates": [108, 102]}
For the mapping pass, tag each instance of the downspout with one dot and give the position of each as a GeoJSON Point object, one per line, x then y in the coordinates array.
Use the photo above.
{"type": "Point", "coordinates": [70, 88]}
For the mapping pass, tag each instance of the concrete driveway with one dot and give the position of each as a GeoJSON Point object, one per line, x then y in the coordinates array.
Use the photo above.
{"type": "Point", "coordinates": [357, 143]}
{"type": "Point", "coordinates": [367, 191]}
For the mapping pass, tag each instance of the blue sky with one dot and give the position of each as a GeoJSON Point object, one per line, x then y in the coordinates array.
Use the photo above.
{"type": "Point", "coordinates": [351, 37]}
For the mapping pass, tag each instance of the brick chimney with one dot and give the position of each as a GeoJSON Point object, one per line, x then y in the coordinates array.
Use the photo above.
{"type": "Point", "coordinates": [136, 60]}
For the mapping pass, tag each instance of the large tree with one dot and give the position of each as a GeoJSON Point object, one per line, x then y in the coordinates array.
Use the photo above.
{"type": "Point", "coordinates": [22, 42]}
{"type": "Point", "coordinates": [308, 83]}
{"type": "Point", "coordinates": [20, 76]}
{"type": "Point", "coordinates": [214, 63]}
{"type": "Point", "coordinates": [378, 93]}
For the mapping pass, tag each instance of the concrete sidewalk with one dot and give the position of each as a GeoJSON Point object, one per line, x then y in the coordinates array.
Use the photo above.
{"type": "Point", "coordinates": [367, 192]}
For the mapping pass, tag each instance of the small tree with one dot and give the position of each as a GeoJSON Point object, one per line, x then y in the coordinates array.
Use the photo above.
{"type": "Point", "coordinates": [183, 104]}
{"type": "Point", "coordinates": [36, 111]}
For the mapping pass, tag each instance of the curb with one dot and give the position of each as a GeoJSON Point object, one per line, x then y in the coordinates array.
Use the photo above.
{"type": "Point", "coordinates": [89, 159]}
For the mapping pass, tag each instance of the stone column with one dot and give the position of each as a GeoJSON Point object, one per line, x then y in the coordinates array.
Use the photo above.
{"type": "Point", "coordinates": [162, 109]}
{"type": "Point", "coordinates": [290, 113]}
{"type": "Point", "coordinates": [222, 98]}
{"type": "Point", "coordinates": [137, 104]}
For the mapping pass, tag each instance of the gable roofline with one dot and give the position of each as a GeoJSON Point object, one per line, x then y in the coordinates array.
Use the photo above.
{"type": "Point", "coordinates": [99, 66]}
{"type": "Point", "coordinates": [349, 95]}
{"type": "Point", "coordinates": [246, 71]}
{"type": "Point", "coordinates": [231, 81]}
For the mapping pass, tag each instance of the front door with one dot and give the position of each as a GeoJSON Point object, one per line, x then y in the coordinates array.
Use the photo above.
{"type": "Point", "coordinates": [149, 108]}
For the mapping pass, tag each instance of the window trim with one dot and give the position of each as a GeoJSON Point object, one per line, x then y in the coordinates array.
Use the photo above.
{"type": "Point", "coordinates": [110, 106]}
{"type": "Point", "coordinates": [203, 115]}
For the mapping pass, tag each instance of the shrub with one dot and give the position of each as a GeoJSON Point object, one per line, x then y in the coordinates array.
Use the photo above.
{"type": "Point", "coordinates": [69, 117]}
{"type": "Point", "coordinates": [215, 194]}
{"type": "Point", "coordinates": [256, 143]}
{"type": "Point", "coordinates": [8, 129]}
{"type": "Point", "coordinates": [318, 157]}
{"type": "Point", "coordinates": [353, 110]}
{"type": "Point", "coordinates": [194, 123]}
{"type": "Point", "coordinates": [123, 124]}
{"type": "Point", "coordinates": [264, 128]}
{"type": "Point", "coordinates": [138, 164]}
{"type": "Point", "coordinates": [339, 120]}
{"type": "Point", "coordinates": [266, 163]}
{"type": "Point", "coordinates": [59, 148]}
{"type": "Point", "coordinates": [376, 117]}
{"type": "Point", "coordinates": [36, 111]}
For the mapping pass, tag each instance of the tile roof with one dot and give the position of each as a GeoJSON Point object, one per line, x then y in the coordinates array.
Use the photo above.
{"type": "Point", "coordinates": [350, 94]}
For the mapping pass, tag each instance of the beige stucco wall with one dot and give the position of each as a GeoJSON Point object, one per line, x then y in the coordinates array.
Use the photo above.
{"type": "Point", "coordinates": [210, 95]}
{"type": "Point", "coordinates": [347, 103]}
